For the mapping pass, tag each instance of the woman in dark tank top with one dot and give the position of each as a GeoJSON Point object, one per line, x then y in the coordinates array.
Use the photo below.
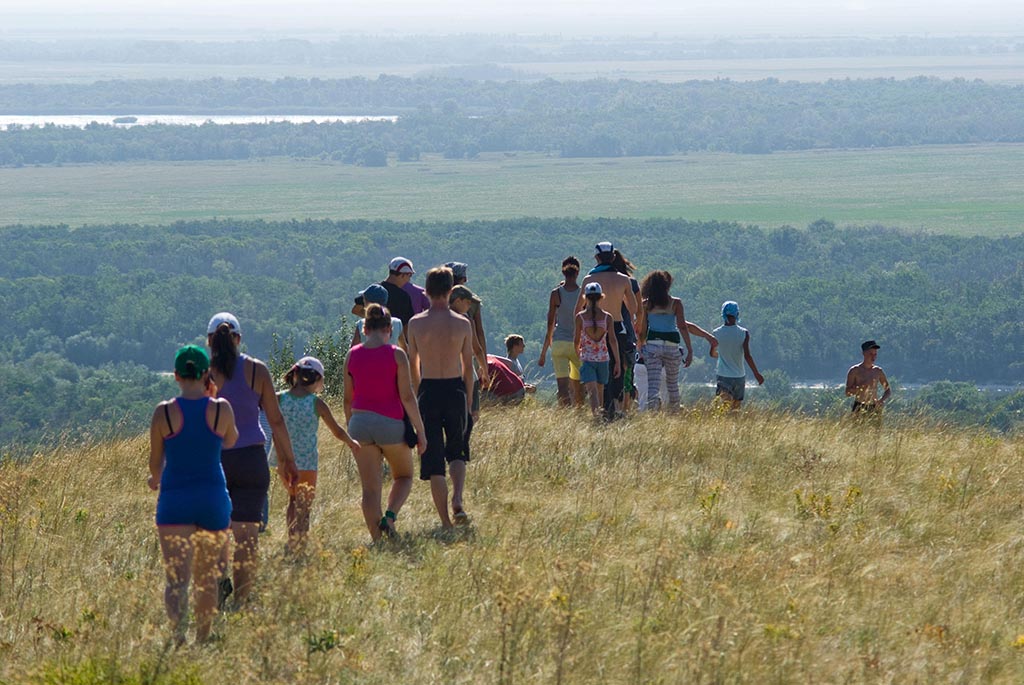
{"type": "Point", "coordinates": [246, 383]}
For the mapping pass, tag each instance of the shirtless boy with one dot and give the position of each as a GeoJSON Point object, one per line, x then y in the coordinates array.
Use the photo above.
{"type": "Point", "coordinates": [441, 361]}
{"type": "Point", "coordinates": [618, 291]}
{"type": "Point", "coordinates": [862, 383]}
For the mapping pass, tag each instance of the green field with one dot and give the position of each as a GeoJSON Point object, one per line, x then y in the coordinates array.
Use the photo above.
{"type": "Point", "coordinates": [1006, 68]}
{"type": "Point", "coordinates": [948, 189]}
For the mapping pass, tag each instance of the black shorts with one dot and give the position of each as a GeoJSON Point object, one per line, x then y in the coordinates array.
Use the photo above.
{"type": "Point", "coordinates": [248, 478]}
{"type": "Point", "coordinates": [442, 403]}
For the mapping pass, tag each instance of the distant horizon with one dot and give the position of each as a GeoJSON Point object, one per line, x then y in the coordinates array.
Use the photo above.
{"type": "Point", "coordinates": [785, 19]}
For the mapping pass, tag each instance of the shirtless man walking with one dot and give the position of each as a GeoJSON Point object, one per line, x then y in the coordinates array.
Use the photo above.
{"type": "Point", "coordinates": [618, 291]}
{"type": "Point", "coordinates": [441, 361]}
{"type": "Point", "coordinates": [862, 383]}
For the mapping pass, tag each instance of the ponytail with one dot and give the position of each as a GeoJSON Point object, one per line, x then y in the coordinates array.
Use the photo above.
{"type": "Point", "coordinates": [592, 301]}
{"type": "Point", "coordinates": [224, 352]}
{"type": "Point", "coordinates": [298, 376]}
{"type": "Point", "coordinates": [378, 318]}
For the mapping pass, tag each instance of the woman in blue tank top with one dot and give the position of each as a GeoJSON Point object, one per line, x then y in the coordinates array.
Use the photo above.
{"type": "Point", "coordinates": [245, 382]}
{"type": "Point", "coordinates": [193, 509]}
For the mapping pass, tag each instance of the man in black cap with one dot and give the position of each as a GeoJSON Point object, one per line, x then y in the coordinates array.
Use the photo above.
{"type": "Point", "coordinates": [862, 383]}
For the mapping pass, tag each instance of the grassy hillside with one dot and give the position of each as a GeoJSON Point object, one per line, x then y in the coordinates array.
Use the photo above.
{"type": "Point", "coordinates": [701, 548]}
{"type": "Point", "coordinates": [966, 190]}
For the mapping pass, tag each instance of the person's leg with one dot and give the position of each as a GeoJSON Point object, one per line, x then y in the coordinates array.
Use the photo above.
{"type": "Point", "coordinates": [245, 561]}
{"type": "Point", "coordinates": [368, 461]}
{"type": "Point", "coordinates": [457, 469]}
{"type": "Point", "coordinates": [299, 506]}
{"type": "Point", "coordinates": [560, 361]}
{"type": "Point", "coordinates": [564, 394]}
{"type": "Point", "coordinates": [612, 390]}
{"type": "Point", "coordinates": [206, 572]}
{"type": "Point", "coordinates": [594, 391]}
{"type": "Point", "coordinates": [653, 359]}
{"type": "Point", "coordinates": [400, 459]}
{"type": "Point", "coordinates": [671, 361]}
{"type": "Point", "coordinates": [456, 455]}
{"type": "Point", "coordinates": [432, 461]}
{"type": "Point", "coordinates": [176, 547]}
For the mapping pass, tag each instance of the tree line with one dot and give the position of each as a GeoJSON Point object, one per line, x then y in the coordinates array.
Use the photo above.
{"type": "Point", "coordinates": [461, 118]}
{"type": "Point", "coordinates": [95, 312]}
{"type": "Point", "coordinates": [477, 49]}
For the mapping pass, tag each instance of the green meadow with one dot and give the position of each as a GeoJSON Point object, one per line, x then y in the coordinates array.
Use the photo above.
{"type": "Point", "coordinates": [945, 189]}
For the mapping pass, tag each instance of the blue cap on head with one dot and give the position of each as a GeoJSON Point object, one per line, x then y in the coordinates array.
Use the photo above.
{"type": "Point", "coordinates": [374, 293]}
{"type": "Point", "coordinates": [730, 308]}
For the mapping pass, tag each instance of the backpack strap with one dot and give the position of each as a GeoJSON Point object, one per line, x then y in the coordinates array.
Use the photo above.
{"type": "Point", "coordinates": [167, 415]}
{"type": "Point", "coordinates": [216, 417]}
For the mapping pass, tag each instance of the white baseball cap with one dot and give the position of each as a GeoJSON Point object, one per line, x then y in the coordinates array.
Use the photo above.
{"type": "Point", "coordinates": [311, 364]}
{"type": "Point", "coordinates": [223, 317]}
{"type": "Point", "coordinates": [401, 265]}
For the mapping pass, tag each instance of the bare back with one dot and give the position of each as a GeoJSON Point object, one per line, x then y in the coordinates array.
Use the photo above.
{"type": "Point", "coordinates": [439, 340]}
{"type": "Point", "coordinates": [617, 291]}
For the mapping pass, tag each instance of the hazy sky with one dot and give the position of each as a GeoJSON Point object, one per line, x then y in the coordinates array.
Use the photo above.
{"type": "Point", "coordinates": [35, 18]}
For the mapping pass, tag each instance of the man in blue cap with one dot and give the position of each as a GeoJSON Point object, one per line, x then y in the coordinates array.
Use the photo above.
{"type": "Point", "coordinates": [733, 352]}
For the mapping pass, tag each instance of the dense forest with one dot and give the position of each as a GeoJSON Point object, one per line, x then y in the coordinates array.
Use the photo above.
{"type": "Point", "coordinates": [96, 303]}
{"type": "Point", "coordinates": [475, 49]}
{"type": "Point", "coordinates": [462, 118]}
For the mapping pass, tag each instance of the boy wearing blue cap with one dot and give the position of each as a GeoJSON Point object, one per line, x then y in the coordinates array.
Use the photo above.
{"type": "Point", "coordinates": [733, 352]}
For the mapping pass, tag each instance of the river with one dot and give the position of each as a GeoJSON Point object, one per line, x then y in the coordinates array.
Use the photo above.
{"type": "Point", "coordinates": [83, 120]}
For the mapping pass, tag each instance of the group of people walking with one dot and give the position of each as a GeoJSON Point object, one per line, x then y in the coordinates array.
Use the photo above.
{"type": "Point", "coordinates": [600, 327]}
{"type": "Point", "coordinates": [413, 379]}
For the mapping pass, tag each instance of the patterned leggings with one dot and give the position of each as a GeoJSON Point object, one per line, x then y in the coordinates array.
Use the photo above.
{"type": "Point", "coordinates": [660, 354]}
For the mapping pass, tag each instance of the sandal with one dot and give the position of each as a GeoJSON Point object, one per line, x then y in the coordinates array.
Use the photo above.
{"type": "Point", "coordinates": [461, 518]}
{"type": "Point", "coordinates": [385, 526]}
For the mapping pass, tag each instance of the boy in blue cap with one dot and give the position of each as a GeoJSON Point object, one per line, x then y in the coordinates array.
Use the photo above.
{"type": "Point", "coordinates": [733, 351]}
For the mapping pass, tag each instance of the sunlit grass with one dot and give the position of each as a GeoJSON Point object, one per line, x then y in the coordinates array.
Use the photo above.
{"type": "Point", "coordinates": [696, 548]}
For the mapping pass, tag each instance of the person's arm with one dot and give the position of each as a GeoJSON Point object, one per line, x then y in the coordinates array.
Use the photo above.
{"type": "Point", "coordinates": [286, 467]}
{"type": "Point", "coordinates": [631, 299]}
{"type": "Point", "coordinates": [577, 336]}
{"type": "Point", "coordinates": [414, 357]}
{"type": "Point", "coordinates": [226, 427]}
{"type": "Point", "coordinates": [750, 359]}
{"type": "Point", "coordinates": [480, 346]}
{"type": "Point", "coordinates": [324, 412]}
{"type": "Point", "coordinates": [157, 425]}
{"type": "Point", "coordinates": [466, 354]}
{"type": "Point", "coordinates": [480, 354]}
{"type": "Point", "coordinates": [356, 338]}
{"type": "Point", "coordinates": [885, 384]}
{"type": "Point", "coordinates": [346, 401]}
{"type": "Point", "coordinates": [408, 397]}
{"type": "Point", "coordinates": [684, 331]}
{"type": "Point", "coordinates": [401, 336]}
{"type": "Point", "coordinates": [478, 329]}
{"type": "Point", "coordinates": [696, 330]}
{"type": "Point", "coordinates": [641, 327]}
{"type": "Point", "coordinates": [613, 344]}
{"type": "Point", "coordinates": [553, 301]}
{"type": "Point", "coordinates": [581, 301]}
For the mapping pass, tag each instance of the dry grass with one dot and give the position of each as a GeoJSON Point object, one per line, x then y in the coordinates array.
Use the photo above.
{"type": "Point", "coordinates": [699, 548]}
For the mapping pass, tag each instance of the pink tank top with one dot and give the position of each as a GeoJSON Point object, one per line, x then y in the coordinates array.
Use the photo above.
{"type": "Point", "coordinates": [374, 373]}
